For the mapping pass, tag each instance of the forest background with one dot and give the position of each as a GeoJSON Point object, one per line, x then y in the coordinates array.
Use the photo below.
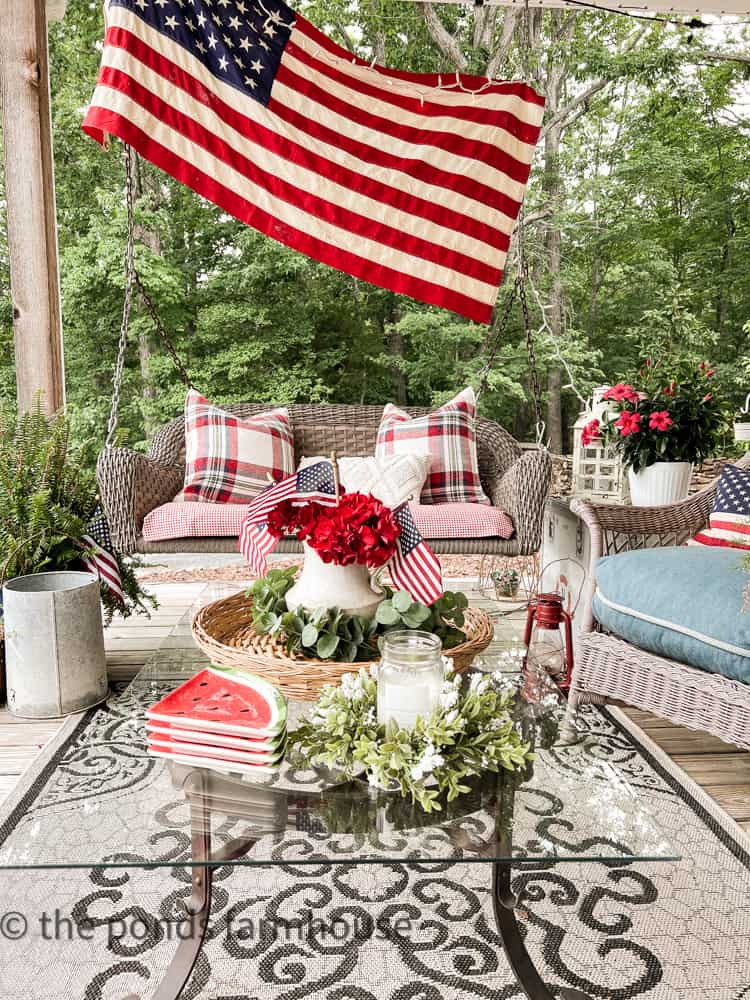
{"type": "Point", "coordinates": [637, 234]}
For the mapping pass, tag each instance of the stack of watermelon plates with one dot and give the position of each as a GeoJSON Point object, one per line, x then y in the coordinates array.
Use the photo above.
{"type": "Point", "coordinates": [222, 718]}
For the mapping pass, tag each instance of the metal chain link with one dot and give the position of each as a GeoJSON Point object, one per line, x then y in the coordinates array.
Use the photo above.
{"type": "Point", "coordinates": [130, 280]}
{"type": "Point", "coordinates": [133, 282]}
{"type": "Point", "coordinates": [494, 338]}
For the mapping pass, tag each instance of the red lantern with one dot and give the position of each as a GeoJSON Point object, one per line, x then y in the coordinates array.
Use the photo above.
{"type": "Point", "coordinates": [549, 639]}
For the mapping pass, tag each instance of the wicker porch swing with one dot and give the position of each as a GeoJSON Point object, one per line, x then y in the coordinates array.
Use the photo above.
{"type": "Point", "coordinates": [132, 484]}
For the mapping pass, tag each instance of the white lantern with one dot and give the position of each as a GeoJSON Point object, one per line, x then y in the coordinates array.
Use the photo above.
{"type": "Point", "coordinates": [597, 470]}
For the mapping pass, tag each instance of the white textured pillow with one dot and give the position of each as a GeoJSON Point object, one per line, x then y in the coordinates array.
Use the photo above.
{"type": "Point", "coordinates": [392, 480]}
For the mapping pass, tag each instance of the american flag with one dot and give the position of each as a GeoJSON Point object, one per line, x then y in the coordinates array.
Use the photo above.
{"type": "Point", "coordinates": [315, 483]}
{"type": "Point", "coordinates": [410, 181]}
{"type": "Point", "coordinates": [100, 559]}
{"type": "Point", "coordinates": [729, 522]}
{"type": "Point", "coordinates": [415, 567]}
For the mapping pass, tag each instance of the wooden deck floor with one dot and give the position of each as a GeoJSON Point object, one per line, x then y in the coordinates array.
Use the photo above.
{"type": "Point", "coordinates": [722, 770]}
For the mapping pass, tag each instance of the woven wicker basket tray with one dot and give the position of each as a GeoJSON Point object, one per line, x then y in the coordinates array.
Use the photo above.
{"type": "Point", "coordinates": [225, 633]}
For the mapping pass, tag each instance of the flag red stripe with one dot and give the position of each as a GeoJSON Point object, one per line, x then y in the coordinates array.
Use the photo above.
{"type": "Point", "coordinates": [100, 120]}
{"type": "Point", "coordinates": [455, 144]}
{"type": "Point", "coordinates": [736, 527]}
{"type": "Point", "coordinates": [318, 207]}
{"type": "Point", "coordinates": [421, 171]}
{"type": "Point", "coordinates": [247, 127]}
{"type": "Point", "coordinates": [468, 80]}
{"type": "Point", "coordinates": [492, 117]}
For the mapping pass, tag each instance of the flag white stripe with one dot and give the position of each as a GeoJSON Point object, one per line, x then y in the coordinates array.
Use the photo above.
{"type": "Point", "coordinates": [295, 173]}
{"type": "Point", "coordinates": [223, 173]}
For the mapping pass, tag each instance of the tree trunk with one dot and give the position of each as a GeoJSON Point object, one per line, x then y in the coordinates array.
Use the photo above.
{"type": "Point", "coordinates": [151, 238]}
{"type": "Point", "coordinates": [553, 194]}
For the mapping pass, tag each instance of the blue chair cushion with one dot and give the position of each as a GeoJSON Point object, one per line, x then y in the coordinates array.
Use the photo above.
{"type": "Point", "coordinates": [687, 604]}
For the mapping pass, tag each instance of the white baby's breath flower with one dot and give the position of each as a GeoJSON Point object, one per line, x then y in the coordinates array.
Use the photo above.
{"type": "Point", "coordinates": [449, 697]}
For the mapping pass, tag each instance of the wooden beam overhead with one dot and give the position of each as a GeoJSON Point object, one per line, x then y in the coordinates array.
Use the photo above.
{"type": "Point", "coordinates": [30, 200]}
{"type": "Point", "coordinates": [677, 7]}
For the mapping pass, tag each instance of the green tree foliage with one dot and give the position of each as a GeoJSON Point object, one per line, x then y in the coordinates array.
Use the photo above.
{"type": "Point", "coordinates": [638, 235]}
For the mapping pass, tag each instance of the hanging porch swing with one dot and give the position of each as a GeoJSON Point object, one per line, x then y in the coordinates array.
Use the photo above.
{"type": "Point", "coordinates": [134, 485]}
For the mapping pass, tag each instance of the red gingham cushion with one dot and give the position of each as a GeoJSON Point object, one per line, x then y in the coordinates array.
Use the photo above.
{"type": "Point", "coordinates": [449, 436]}
{"type": "Point", "coordinates": [229, 459]}
{"type": "Point", "coordinates": [207, 520]}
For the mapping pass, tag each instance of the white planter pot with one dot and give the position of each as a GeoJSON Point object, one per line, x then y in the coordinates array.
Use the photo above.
{"type": "Point", "coordinates": [54, 644]}
{"type": "Point", "coordinates": [742, 431]}
{"type": "Point", "coordinates": [325, 585]}
{"type": "Point", "coordinates": [660, 483]}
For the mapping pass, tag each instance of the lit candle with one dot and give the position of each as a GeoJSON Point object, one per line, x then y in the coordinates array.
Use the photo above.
{"type": "Point", "coordinates": [410, 677]}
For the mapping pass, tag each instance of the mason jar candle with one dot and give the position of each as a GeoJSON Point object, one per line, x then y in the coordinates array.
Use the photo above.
{"type": "Point", "coordinates": [410, 677]}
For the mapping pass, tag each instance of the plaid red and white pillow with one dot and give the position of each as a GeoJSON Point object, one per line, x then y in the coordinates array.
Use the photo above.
{"type": "Point", "coordinates": [230, 459]}
{"type": "Point", "coordinates": [729, 522]}
{"type": "Point", "coordinates": [449, 437]}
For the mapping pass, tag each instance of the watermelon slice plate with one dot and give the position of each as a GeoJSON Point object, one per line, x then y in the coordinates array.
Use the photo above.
{"type": "Point", "coordinates": [216, 753]}
{"type": "Point", "coordinates": [224, 700]}
{"type": "Point", "coordinates": [251, 744]}
{"type": "Point", "coordinates": [215, 763]}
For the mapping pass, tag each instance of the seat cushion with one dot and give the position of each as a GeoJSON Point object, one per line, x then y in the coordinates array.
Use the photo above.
{"type": "Point", "coordinates": [449, 437]}
{"type": "Point", "coordinates": [231, 459]}
{"type": "Point", "coordinates": [211, 520]}
{"type": "Point", "coordinates": [687, 604]}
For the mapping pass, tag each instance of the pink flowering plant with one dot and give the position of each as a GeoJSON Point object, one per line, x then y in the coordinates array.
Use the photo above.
{"type": "Point", "coordinates": [671, 414]}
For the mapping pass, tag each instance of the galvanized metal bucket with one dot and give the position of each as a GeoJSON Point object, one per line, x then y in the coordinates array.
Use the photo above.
{"type": "Point", "coordinates": [54, 644]}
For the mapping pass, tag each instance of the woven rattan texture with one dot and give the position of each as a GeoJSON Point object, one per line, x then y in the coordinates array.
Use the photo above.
{"type": "Point", "coordinates": [609, 668]}
{"type": "Point", "coordinates": [225, 633]}
{"type": "Point", "coordinates": [674, 691]}
{"type": "Point", "coordinates": [132, 484]}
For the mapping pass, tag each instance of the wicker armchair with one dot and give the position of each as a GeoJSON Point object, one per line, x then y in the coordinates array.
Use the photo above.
{"type": "Point", "coordinates": [608, 668]}
{"type": "Point", "coordinates": [132, 484]}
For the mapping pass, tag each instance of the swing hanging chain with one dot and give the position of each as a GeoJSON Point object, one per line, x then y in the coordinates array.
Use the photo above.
{"type": "Point", "coordinates": [133, 282]}
{"type": "Point", "coordinates": [494, 338]}
{"type": "Point", "coordinates": [130, 279]}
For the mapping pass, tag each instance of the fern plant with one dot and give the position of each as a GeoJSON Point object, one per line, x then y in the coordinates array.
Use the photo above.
{"type": "Point", "coordinates": [46, 501]}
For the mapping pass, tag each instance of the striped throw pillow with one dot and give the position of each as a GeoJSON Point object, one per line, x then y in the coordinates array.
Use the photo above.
{"type": "Point", "coordinates": [729, 523]}
{"type": "Point", "coordinates": [232, 459]}
{"type": "Point", "coordinates": [449, 437]}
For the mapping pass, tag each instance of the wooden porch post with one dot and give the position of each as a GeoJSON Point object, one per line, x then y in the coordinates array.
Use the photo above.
{"type": "Point", "coordinates": [30, 196]}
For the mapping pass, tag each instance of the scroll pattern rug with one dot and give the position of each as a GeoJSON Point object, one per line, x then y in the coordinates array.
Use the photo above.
{"type": "Point", "coordinates": [666, 931]}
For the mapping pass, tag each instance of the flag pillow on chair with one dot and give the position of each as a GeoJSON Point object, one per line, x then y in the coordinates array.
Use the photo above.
{"type": "Point", "coordinates": [231, 459]}
{"type": "Point", "coordinates": [729, 523]}
{"type": "Point", "coordinates": [449, 437]}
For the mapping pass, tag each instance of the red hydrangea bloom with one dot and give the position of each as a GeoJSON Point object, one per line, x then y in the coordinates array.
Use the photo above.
{"type": "Point", "coordinates": [660, 420]}
{"type": "Point", "coordinates": [621, 393]}
{"type": "Point", "coordinates": [360, 529]}
{"type": "Point", "coordinates": [628, 423]}
{"type": "Point", "coordinates": [590, 433]}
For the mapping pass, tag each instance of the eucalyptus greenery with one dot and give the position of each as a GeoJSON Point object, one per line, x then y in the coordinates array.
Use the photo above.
{"type": "Point", "coordinates": [333, 634]}
{"type": "Point", "coordinates": [470, 733]}
{"type": "Point", "coordinates": [444, 618]}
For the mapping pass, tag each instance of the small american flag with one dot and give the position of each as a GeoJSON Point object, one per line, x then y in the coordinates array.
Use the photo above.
{"type": "Point", "coordinates": [100, 559]}
{"type": "Point", "coordinates": [315, 483]}
{"type": "Point", "coordinates": [415, 567]}
{"type": "Point", "coordinates": [410, 181]}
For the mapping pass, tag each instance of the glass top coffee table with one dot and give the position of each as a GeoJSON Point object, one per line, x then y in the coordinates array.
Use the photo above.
{"type": "Point", "coordinates": [568, 805]}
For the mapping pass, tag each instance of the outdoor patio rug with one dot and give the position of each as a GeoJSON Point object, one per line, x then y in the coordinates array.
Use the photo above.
{"type": "Point", "coordinates": [663, 931]}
